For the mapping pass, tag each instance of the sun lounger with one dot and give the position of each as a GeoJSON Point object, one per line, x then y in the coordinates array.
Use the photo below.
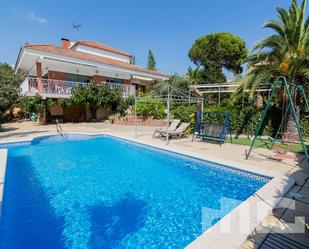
{"type": "Point", "coordinates": [178, 133]}
{"type": "Point", "coordinates": [172, 127]}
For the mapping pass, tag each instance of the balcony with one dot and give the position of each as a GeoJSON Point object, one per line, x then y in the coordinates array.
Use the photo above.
{"type": "Point", "coordinates": [49, 88]}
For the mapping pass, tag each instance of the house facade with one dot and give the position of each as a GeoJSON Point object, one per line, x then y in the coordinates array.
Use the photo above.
{"type": "Point", "coordinates": [53, 71]}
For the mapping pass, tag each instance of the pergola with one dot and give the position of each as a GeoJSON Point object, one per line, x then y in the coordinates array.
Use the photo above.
{"type": "Point", "coordinates": [228, 87]}
{"type": "Point", "coordinates": [169, 95]}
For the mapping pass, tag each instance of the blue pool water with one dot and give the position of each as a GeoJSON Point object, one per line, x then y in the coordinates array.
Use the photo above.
{"type": "Point", "coordinates": [104, 192]}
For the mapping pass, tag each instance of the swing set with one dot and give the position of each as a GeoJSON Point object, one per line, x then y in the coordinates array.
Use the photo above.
{"type": "Point", "coordinates": [288, 132]}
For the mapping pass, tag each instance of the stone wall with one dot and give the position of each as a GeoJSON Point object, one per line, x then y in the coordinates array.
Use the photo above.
{"type": "Point", "coordinates": [56, 110]}
{"type": "Point", "coordinates": [74, 114]}
{"type": "Point", "coordinates": [141, 121]}
{"type": "Point", "coordinates": [103, 113]}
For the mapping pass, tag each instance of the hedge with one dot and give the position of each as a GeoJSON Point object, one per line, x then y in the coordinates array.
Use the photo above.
{"type": "Point", "coordinates": [243, 120]}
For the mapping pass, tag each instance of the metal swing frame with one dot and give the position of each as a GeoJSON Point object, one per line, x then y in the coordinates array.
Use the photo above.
{"type": "Point", "coordinates": [282, 81]}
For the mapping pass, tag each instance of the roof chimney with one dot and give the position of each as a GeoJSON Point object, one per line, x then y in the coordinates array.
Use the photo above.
{"type": "Point", "coordinates": [65, 43]}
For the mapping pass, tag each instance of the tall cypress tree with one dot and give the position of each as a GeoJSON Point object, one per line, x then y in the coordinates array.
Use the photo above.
{"type": "Point", "coordinates": [151, 61]}
{"type": "Point", "coordinates": [132, 59]}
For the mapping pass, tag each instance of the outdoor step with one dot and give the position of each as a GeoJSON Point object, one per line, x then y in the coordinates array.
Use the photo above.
{"type": "Point", "coordinates": [279, 241]}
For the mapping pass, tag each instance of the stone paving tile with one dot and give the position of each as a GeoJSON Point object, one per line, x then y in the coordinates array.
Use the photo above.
{"type": "Point", "coordinates": [300, 178]}
{"type": "Point", "coordinates": [304, 168]}
{"type": "Point", "coordinates": [295, 189]}
{"type": "Point", "coordinates": [305, 193]}
{"type": "Point", "coordinates": [278, 212]}
{"type": "Point", "coordinates": [293, 216]}
{"type": "Point", "coordinates": [306, 184]}
{"type": "Point", "coordinates": [302, 207]}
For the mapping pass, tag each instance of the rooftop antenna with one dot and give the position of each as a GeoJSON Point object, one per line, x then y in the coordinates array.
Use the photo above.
{"type": "Point", "coordinates": [76, 27]}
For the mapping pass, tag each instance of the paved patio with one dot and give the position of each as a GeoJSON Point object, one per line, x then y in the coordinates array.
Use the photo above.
{"type": "Point", "coordinates": [230, 152]}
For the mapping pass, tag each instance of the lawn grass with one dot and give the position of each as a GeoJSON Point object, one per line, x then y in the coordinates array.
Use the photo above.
{"type": "Point", "coordinates": [297, 148]}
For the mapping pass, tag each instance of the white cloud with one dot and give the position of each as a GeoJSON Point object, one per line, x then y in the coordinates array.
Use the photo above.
{"type": "Point", "coordinates": [30, 15]}
{"type": "Point", "coordinates": [35, 18]}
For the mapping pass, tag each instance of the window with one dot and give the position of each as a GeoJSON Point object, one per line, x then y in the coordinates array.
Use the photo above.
{"type": "Point", "coordinates": [76, 77]}
{"type": "Point", "coordinates": [112, 80]}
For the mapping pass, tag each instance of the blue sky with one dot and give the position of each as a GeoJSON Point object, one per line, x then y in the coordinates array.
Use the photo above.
{"type": "Point", "coordinates": [168, 27]}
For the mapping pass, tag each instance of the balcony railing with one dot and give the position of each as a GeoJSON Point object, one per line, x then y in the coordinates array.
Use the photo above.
{"type": "Point", "coordinates": [62, 88]}
{"type": "Point", "coordinates": [126, 90]}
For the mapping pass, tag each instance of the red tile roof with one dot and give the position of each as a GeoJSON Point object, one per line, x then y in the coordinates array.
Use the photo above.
{"type": "Point", "coordinates": [85, 56]}
{"type": "Point", "coordinates": [101, 46]}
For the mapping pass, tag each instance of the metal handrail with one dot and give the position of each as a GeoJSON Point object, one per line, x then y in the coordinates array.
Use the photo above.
{"type": "Point", "coordinates": [126, 90]}
{"type": "Point", "coordinates": [59, 129]}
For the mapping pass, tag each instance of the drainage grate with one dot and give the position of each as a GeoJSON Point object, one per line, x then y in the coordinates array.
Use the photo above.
{"type": "Point", "coordinates": [278, 241]}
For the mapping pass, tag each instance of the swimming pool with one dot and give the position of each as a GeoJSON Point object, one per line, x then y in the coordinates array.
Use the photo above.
{"type": "Point", "coordinates": [104, 192]}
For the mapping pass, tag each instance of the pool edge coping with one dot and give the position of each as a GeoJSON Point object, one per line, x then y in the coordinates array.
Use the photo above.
{"type": "Point", "coordinates": [273, 191]}
{"type": "Point", "coordinates": [3, 163]}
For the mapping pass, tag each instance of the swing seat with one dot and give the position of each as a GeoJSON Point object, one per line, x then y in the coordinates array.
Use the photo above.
{"type": "Point", "coordinates": [213, 132]}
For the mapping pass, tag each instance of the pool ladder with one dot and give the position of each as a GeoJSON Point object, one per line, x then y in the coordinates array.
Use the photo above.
{"type": "Point", "coordinates": [59, 129]}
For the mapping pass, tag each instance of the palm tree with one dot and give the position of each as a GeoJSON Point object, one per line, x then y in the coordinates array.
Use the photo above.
{"type": "Point", "coordinates": [194, 75]}
{"type": "Point", "coordinates": [285, 53]}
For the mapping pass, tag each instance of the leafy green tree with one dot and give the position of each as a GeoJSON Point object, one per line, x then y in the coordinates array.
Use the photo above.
{"type": "Point", "coordinates": [284, 53]}
{"type": "Point", "coordinates": [94, 96]}
{"type": "Point", "coordinates": [152, 106]}
{"type": "Point", "coordinates": [185, 113]}
{"type": "Point", "coordinates": [151, 64]}
{"type": "Point", "coordinates": [175, 81]}
{"type": "Point", "coordinates": [9, 87]}
{"type": "Point", "coordinates": [194, 75]}
{"type": "Point", "coordinates": [234, 51]}
{"type": "Point", "coordinates": [179, 82]}
{"type": "Point", "coordinates": [125, 104]}
{"type": "Point", "coordinates": [35, 104]}
{"type": "Point", "coordinates": [217, 51]}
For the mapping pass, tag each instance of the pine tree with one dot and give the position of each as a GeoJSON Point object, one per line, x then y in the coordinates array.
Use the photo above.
{"type": "Point", "coordinates": [213, 61]}
{"type": "Point", "coordinates": [151, 61]}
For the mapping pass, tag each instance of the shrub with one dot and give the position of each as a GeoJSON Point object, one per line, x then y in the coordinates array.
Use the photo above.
{"type": "Point", "coordinates": [185, 113]}
{"type": "Point", "coordinates": [241, 119]}
{"type": "Point", "coordinates": [94, 96]}
{"type": "Point", "coordinates": [124, 104]}
{"type": "Point", "coordinates": [150, 107]}
{"type": "Point", "coordinates": [34, 104]}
